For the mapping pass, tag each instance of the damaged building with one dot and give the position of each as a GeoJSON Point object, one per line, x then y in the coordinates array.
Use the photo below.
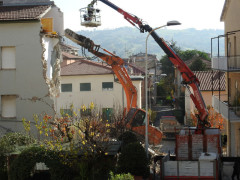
{"type": "Point", "coordinates": [30, 56]}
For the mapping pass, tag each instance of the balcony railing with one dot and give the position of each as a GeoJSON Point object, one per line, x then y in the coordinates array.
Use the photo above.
{"type": "Point", "coordinates": [221, 106]}
{"type": "Point", "coordinates": [226, 63]}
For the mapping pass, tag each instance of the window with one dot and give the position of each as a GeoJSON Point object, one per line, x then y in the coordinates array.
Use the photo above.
{"type": "Point", "coordinates": [8, 106]}
{"type": "Point", "coordinates": [8, 58]}
{"type": "Point", "coordinates": [85, 86]}
{"type": "Point", "coordinates": [107, 86]}
{"type": "Point", "coordinates": [66, 112]}
{"type": "Point", "coordinates": [66, 87]}
{"type": "Point", "coordinates": [86, 112]}
{"type": "Point", "coordinates": [47, 24]}
{"type": "Point", "coordinates": [107, 114]}
{"type": "Point", "coordinates": [138, 119]}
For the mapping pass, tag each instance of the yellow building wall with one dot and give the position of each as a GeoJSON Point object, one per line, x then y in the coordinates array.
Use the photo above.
{"type": "Point", "coordinates": [231, 23]}
{"type": "Point", "coordinates": [230, 17]}
{"type": "Point", "coordinates": [234, 87]}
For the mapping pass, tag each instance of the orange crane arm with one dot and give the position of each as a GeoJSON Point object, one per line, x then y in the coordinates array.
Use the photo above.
{"type": "Point", "coordinates": [114, 61]}
{"type": "Point", "coordinates": [122, 75]}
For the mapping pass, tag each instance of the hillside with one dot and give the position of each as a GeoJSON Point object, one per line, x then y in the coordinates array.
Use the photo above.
{"type": "Point", "coordinates": [126, 41]}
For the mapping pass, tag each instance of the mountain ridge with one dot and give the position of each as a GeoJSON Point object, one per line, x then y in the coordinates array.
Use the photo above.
{"type": "Point", "coordinates": [126, 41]}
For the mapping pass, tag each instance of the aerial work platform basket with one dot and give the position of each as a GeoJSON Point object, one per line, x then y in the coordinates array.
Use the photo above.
{"type": "Point", "coordinates": [90, 17]}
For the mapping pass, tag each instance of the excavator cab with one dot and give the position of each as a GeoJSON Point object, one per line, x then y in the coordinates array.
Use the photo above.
{"type": "Point", "coordinates": [90, 17]}
{"type": "Point", "coordinates": [136, 122]}
{"type": "Point", "coordinates": [135, 117]}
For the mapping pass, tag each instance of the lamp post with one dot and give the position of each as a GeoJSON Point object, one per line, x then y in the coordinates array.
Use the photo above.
{"type": "Point", "coordinates": [169, 23]}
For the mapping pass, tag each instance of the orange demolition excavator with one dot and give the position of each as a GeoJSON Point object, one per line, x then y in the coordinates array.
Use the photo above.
{"type": "Point", "coordinates": [134, 116]}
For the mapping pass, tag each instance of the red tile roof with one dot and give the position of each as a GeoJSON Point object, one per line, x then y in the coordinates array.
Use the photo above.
{"type": "Point", "coordinates": [85, 67]}
{"type": "Point", "coordinates": [210, 80]}
{"type": "Point", "coordinates": [17, 13]}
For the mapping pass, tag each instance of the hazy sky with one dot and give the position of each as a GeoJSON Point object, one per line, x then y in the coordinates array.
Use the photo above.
{"type": "Point", "coordinates": [198, 14]}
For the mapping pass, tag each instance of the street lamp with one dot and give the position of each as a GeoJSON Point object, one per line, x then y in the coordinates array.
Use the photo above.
{"type": "Point", "coordinates": [169, 23]}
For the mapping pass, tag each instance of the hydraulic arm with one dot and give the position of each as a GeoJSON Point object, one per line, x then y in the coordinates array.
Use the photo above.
{"type": "Point", "coordinates": [189, 79]}
{"type": "Point", "coordinates": [134, 116]}
{"type": "Point", "coordinates": [114, 61]}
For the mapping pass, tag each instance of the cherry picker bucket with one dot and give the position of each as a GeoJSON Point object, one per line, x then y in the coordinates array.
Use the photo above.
{"type": "Point", "coordinates": [90, 17]}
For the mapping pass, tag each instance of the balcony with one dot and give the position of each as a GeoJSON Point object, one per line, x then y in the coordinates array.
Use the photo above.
{"type": "Point", "coordinates": [221, 106]}
{"type": "Point", "coordinates": [230, 64]}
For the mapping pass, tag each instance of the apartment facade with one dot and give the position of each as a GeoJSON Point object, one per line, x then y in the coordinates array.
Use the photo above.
{"type": "Point", "coordinates": [29, 60]}
{"type": "Point", "coordinates": [228, 60]}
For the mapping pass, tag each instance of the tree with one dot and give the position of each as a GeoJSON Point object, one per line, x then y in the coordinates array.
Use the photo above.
{"type": "Point", "coordinates": [127, 138]}
{"type": "Point", "coordinates": [133, 159]}
{"type": "Point", "coordinates": [198, 65]}
{"type": "Point", "coordinates": [188, 54]}
{"type": "Point", "coordinates": [164, 89]}
{"type": "Point", "coordinates": [12, 142]}
{"type": "Point", "coordinates": [82, 142]}
{"type": "Point", "coordinates": [167, 65]}
{"type": "Point", "coordinates": [191, 54]}
{"type": "Point", "coordinates": [215, 119]}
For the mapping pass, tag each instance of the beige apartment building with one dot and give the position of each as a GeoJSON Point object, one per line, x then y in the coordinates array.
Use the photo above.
{"type": "Point", "coordinates": [227, 60]}
{"type": "Point", "coordinates": [84, 82]}
{"type": "Point", "coordinates": [30, 32]}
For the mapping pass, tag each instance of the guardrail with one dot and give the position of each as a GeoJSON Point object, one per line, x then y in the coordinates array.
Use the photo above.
{"type": "Point", "coordinates": [224, 63]}
{"type": "Point", "coordinates": [221, 106]}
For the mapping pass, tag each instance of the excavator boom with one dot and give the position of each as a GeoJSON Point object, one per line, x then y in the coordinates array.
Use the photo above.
{"type": "Point", "coordinates": [114, 61]}
{"type": "Point", "coordinates": [135, 117]}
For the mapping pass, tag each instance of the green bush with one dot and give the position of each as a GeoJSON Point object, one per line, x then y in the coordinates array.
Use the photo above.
{"type": "Point", "coordinates": [3, 167]}
{"type": "Point", "coordinates": [98, 168]}
{"type": "Point", "coordinates": [102, 166]}
{"type": "Point", "coordinates": [133, 159]}
{"type": "Point", "coordinates": [12, 141]}
{"type": "Point", "coordinates": [127, 176]}
{"type": "Point", "coordinates": [128, 137]}
{"type": "Point", "coordinates": [23, 166]}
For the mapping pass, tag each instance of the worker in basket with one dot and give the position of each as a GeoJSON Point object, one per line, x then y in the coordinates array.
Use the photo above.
{"type": "Point", "coordinates": [90, 14]}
